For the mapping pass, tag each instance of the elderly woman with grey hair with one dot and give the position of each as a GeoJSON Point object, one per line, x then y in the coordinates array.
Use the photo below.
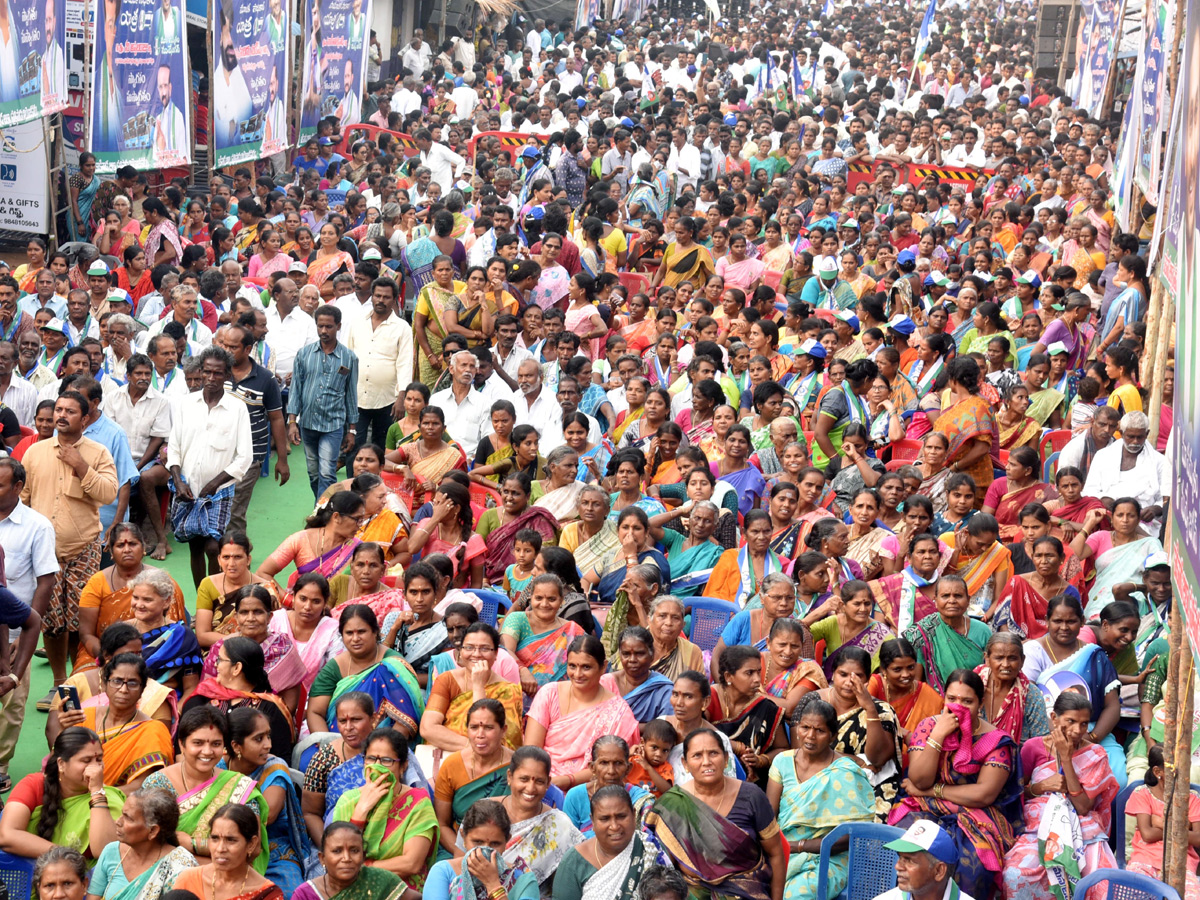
{"type": "Point", "coordinates": [146, 855]}
{"type": "Point", "coordinates": [693, 551]}
{"type": "Point", "coordinates": [170, 649]}
{"type": "Point", "coordinates": [1011, 702]}
{"type": "Point", "coordinates": [560, 488]}
{"type": "Point", "coordinates": [674, 654]}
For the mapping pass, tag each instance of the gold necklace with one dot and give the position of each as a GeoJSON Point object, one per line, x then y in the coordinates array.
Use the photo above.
{"type": "Point", "coordinates": [241, 890]}
{"type": "Point", "coordinates": [1050, 649]}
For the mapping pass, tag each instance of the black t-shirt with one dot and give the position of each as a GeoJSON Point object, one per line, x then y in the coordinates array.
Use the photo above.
{"type": "Point", "coordinates": [10, 427]}
{"type": "Point", "coordinates": [260, 392]}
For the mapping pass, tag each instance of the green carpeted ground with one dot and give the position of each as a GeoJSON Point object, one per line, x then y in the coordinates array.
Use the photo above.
{"type": "Point", "coordinates": [275, 513]}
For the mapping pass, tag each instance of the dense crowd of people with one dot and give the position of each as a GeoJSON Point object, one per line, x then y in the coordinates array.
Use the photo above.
{"type": "Point", "coordinates": [797, 320]}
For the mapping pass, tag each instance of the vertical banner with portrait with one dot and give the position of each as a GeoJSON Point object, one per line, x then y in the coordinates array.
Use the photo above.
{"type": "Point", "coordinates": [1098, 39]}
{"type": "Point", "coordinates": [250, 78]}
{"type": "Point", "coordinates": [1181, 275]}
{"type": "Point", "coordinates": [334, 66]}
{"type": "Point", "coordinates": [1153, 118]}
{"type": "Point", "coordinates": [33, 65]}
{"type": "Point", "coordinates": [140, 106]}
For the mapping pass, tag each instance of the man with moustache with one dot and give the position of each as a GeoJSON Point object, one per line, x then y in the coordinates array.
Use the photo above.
{"type": "Point", "coordinates": [170, 126]}
{"type": "Point", "coordinates": [230, 94]}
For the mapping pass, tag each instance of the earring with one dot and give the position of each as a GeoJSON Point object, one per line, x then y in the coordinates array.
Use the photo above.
{"type": "Point", "coordinates": [239, 754]}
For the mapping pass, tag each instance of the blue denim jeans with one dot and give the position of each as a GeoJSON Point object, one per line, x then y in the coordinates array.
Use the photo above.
{"type": "Point", "coordinates": [321, 449]}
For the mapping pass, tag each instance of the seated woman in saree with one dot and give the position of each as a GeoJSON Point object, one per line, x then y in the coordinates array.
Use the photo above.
{"type": "Point", "coordinates": [787, 676]}
{"type": "Point", "coordinates": [1022, 484]}
{"type": "Point", "coordinates": [566, 717]}
{"type": "Point", "coordinates": [831, 537]}
{"type": "Point", "coordinates": [560, 488]}
{"type": "Point", "coordinates": [67, 804]}
{"type": "Point", "coordinates": [734, 469]}
{"type": "Point", "coordinates": [1023, 610]}
{"type": "Point", "coordinates": [786, 528]}
{"type": "Point", "coordinates": [721, 833]}
{"type": "Point", "coordinates": [859, 469]}
{"type": "Point", "coordinates": [610, 766]}
{"type": "Point", "coordinates": [689, 703]}
{"type": "Point", "coordinates": [286, 672]}
{"type": "Point", "coordinates": [342, 856]}
{"type": "Point", "coordinates": [1068, 781]}
{"type": "Point", "coordinates": [969, 424]}
{"type": "Point", "coordinates": [495, 446]}
{"type": "Point", "coordinates": [326, 543]}
{"type": "Point", "coordinates": [146, 856]}
{"type": "Point", "coordinates": [217, 594]}
{"type": "Point", "coordinates": [592, 534]}
{"type": "Point", "coordinates": [242, 681]}
{"type": "Point", "coordinates": [105, 599]}
{"type": "Point", "coordinates": [538, 637]}
{"type": "Point", "coordinates": [156, 701]}
{"type": "Point", "coordinates": [738, 575]}
{"type": "Point", "coordinates": [691, 554]}
{"type": "Point", "coordinates": [371, 459]}
{"type": "Point", "coordinates": [697, 484]}
{"type": "Point", "coordinates": [134, 744]}
{"type": "Point", "coordinates": [847, 622]}
{"type": "Point", "coordinates": [355, 713]}
{"type": "Point", "coordinates": [238, 831]}
{"type": "Point", "coordinates": [933, 468]}
{"type": "Point", "coordinates": [499, 525]}
{"type": "Point", "coordinates": [1069, 509]}
{"type": "Point", "coordinates": [400, 829]}
{"type": "Point", "coordinates": [1118, 554]}
{"type": "Point", "coordinates": [477, 771]}
{"type": "Point", "coordinates": [367, 666]}
{"type": "Point", "coordinates": [983, 562]}
{"type": "Point", "coordinates": [449, 530]}
{"type": "Point", "coordinates": [752, 626]}
{"type": "Point", "coordinates": [948, 639]}
{"type": "Point", "coordinates": [382, 525]}
{"type": "Point", "coordinates": [610, 862]}
{"type": "Point", "coordinates": [634, 548]}
{"type": "Point", "coordinates": [446, 722]}
{"type": "Point", "coordinates": [170, 649]}
{"type": "Point", "coordinates": [866, 535]}
{"type": "Point", "coordinates": [1011, 701]}
{"type": "Point", "coordinates": [813, 789]}
{"type": "Point", "coordinates": [523, 456]}
{"type": "Point", "coordinates": [627, 473]}
{"type": "Point", "coordinates": [962, 774]}
{"type": "Point", "coordinates": [1016, 427]}
{"type": "Point", "coordinates": [639, 428]}
{"type": "Point", "coordinates": [313, 633]}
{"type": "Point", "coordinates": [61, 872]}
{"type": "Point", "coordinates": [250, 744]}
{"type": "Point", "coordinates": [741, 711]}
{"type": "Point", "coordinates": [422, 463]}
{"type": "Point", "coordinates": [674, 654]}
{"type": "Point", "coordinates": [417, 633]}
{"type": "Point", "coordinates": [866, 727]}
{"type": "Point", "coordinates": [479, 869]}
{"type": "Point", "coordinates": [647, 692]}
{"type": "Point", "coordinates": [363, 583]}
{"type": "Point", "coordinates": [201, 788]}
{"type": "Point", "coordinates": [898, 684]}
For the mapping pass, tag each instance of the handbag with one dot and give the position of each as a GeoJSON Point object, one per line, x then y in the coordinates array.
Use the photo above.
{"type": "Point", "coordinates": [204, 517]}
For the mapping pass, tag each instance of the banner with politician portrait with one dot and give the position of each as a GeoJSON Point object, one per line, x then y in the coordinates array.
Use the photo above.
{"type": "Point", "coordinates": [140, 111]}
{"type": "Point", "coordinates": [33, 69]}
{"type": "Point", "coordinates": [334, 65]}
{"type": "Point", "coordinates": [250, 78]}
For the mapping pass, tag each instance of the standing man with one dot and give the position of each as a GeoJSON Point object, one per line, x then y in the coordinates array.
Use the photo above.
{"type": "Point", "coordinates": [383, 344]}
{"type": "Point", "coordinates": [101, 429]}
{"type": "Point", "coordinates": [288, 327]}
{"type": "Point", "coordinates": [14, 321]}
{"type": "Point", "coordinates": [466, 409]}
{"type": "Point", "coordinates": [15, 392]}
{"type": "Point", "coordinates": [443, 163]}
{"type": "Point", "coordinates": [323, 400]}
{"type": "Point", "coordinates": [30, 566]}
{"type": "Point", "coordinates": [69, 477]}
{"type": "Point", "coordinates": [210, 446]}
{"type": "Point", "coordinates": [254, 386]}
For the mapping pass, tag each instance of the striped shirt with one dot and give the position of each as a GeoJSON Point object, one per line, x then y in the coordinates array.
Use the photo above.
{"type": "Point", "coordinates": [324, 391]}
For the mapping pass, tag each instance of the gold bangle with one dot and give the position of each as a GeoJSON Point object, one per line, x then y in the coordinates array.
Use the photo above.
{"type": "Point", "coordinates": [939, 791]}
{"type": "Point", "coordinates": [934, 744]}
{"type": "Point", "coordinates": [872, 718]}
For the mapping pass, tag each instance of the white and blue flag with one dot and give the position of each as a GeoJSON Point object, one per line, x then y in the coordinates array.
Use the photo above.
{"type": "Point", "coordinates": [923, 37]}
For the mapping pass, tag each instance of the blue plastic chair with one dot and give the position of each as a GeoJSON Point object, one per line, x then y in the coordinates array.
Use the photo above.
{"type": "Point", "coordinates": [1124, 885]}
{"type": "Point", "coordinates": [16, 874]}
{"type": "Point", "coordinates": [709, 618]}
{"type": "Point", "coordinates": [1049, 467]}
{"type": "Point", "coordinates": [872, 866]}
{"type": "Point", "coordinates": [493, 603]}
{"type": "Point", "coordinates": [555, 797]}
{"type": "Point", "coordinates": [1118, 819]}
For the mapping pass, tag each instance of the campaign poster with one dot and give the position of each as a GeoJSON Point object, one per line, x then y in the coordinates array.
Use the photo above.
{"type": "Point", "coordinates": [33, 64]}
{"type": "Point", "coordinates": [1153, 118]}
{"type": "Point", "coordinates": [334, 67]}
{"type": "Point", "coordinates": [250, 78]}
{"type": "Point", "coordinates": [1182, 236]}
{"type": "Point", "coordinates": [1098, 33]}
{"type": "Point", "coordinates": [140, 112]}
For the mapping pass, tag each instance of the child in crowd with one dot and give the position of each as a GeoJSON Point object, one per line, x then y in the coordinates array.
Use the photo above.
{"type": "Point", "coordinates": [526, 546]}
{"type": "Point", "coordinates": [650, 767]}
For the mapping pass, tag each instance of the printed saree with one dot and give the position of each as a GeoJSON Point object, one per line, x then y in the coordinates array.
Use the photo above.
{"type": "Point", "coordinates": [198, 806]}
{"type": "Point", "coordinates": [619, 878]}
{"type": "Point", "coordinates": [516, 880]}
{"type": "Point", "coordinates": [542, 842]}
{"type": "Point", "coordinates": [1023, 714]}
{"type": "Point", "coordinates": [754, 726]}
{"type": "Point", "coordinates": [500, 542]}
{"type": "Point", "coordinates": [963, 423]}
{"type": "Point", "coordinates": [171, 650]}
{"type": "Point", "coordinates": [371, 884]}
{"type": "Point", "coordinates": [131, 750]}
{"type": "Point", "coordinates": [905, 597]}
{"type": "Point", "coordinates": [1114, 566]}
{"type": "Point", "coordinates": [510, 697]}
{"type": "Point", "coordinates": [392, 684]}
{"type": "Point", "coordinates": [152, 883]}
{"type": "Point", "coordinates": [941, 649]}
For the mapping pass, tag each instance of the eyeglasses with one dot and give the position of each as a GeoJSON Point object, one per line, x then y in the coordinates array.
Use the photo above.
{"type": "Point", "coordinates": [476, 648]}
{"type": "Point", "coordinates": [129, 684]}
{"type": "Point", "coordinates": [380, 760]}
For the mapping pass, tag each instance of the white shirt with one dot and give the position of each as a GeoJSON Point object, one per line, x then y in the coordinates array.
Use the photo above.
{"type": "Point", "coordinates": [231, 104]}
{"type": "Point", "coordinates": [465, 421]}
{"type": "Point", "coordinates": [287, 336]}
{"type": "Point", "coordinates": [206, 442]}
{"type": "Point", "coordinates": [28, 540]}
{"type": "Point", "coordinates": [148, 418]}
{"type": "Point", "coordinates": [465, 100]}
{"type": "Point", "coordinates": [1148, 482]}
{"type": "Point", "coordinates": [385, 357]}
{"type": "Point", "coordinates": [197, 333]}
{"type": "Point", "coordinates": [416, 59]}
{"type": "Point", "coordinates": [22, 398]}
{"type": "Point", "coordinates": [352, 309]}
{"type": "Point", "coordinates": [685, 158]}
{"type": "Point", "coordinates": [405, 101]}
{"type": "Point", "coordinates": [513, 361]}
{"type": "Point", "coordinates": [442, 161]}
{"type": "Point", "coordinates": [896, 894]}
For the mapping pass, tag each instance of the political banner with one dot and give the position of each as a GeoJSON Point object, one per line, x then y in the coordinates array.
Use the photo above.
{"type": "Point", "coordinates": [24, 179]}
{"type": "Point", "coordinates": [335, 55]}
{"type": "Point", "coordinates": [1098, 41]}
{"type": "Point", "coordinates": [1182, 245]}
{"type": "Point", "coordinates": [1152, 118]}
{"type": "Point", "coordinates": [140, 104]}
{"type": "Point", "coordinates": [33, 64]}
{"type": "Point", "coordinates": [250, 80]}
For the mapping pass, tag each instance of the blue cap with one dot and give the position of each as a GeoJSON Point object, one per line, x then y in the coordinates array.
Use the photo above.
{"type": "Point", "coordinates": [924, 836]}
{"type": "Point", "coordinates": [902, 325]}
{"type": "Point", "coordinates": [324, 141]}
{"type": "Point", "coordinates": [813, 348]}
{"type": "Point", "coordinates": [530, 153]}
{"type": "Point", "coordinates": [731, 119]}
{"type": "Point", "coordinates": [628, 122]}
{"type": "Point", "coordinates": [905, 257]}
{"type": "Point", "coordinates": [691, 70]}
{"type": "Point", "coordinates": [580, 102]}
{"type": "Point", "coordinates": [537, 212]}
{"type": "Point", "coordinates": [620, 31]}
{"type": "Point", "coordinates": [849, 318]}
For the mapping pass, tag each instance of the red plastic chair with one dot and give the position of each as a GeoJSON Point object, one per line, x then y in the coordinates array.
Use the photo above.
{"type": "Point", "coordinates": [772, 279]}
{"type": "Point", "coordinates": [893, 464]}
{"type": "Point", "coordinates": [634, 283]}
{"type": "Point", "coordinates": [906, 450]}
{"type": "Point", "coordinates": [26, 431]}
{"type": "Point", "coordinates": [1055, 440]}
